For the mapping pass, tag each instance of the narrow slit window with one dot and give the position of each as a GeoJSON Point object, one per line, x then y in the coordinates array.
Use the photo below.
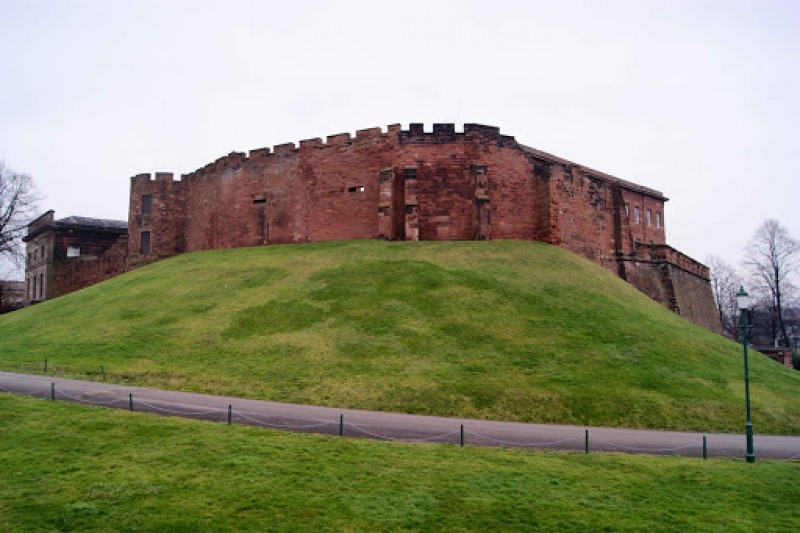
{"type": "Point", "coordinates": [144, 245]}
{"type": "Point", "coordinates": [627, 214]}
{"type": "Point", "coordinates": [649, 217]}
{"type": "Point", "coordinates": [357, 188]}
{"type": "Point", "coordinates": [658, 219]}
{"type": "Point", "coordinates": [636, 214]}
{"type": "Point", "coordinates": [147, 205]}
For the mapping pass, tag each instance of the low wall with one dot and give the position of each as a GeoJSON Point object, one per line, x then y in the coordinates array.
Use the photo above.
{"type": "Point", "coordinates": [674, 280]}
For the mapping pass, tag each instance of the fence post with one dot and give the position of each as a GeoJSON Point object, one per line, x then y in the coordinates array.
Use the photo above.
{"type": "Point", "coordinates": [462, 435]}
{"type": "Point", "coordinates": [103, 371]}
{"type": "Point", "coordinates": [230, 414]}
{"type": "Point", "coordinates": [586, 444]}
{"type": "Point", "coordinates": [705, 448]}
{"type": "Point", "coordinates": [130, 401]}
{"type": "Point", "coordinates": [53, 391]}
{"type": "Point", "coordinates": [341, 425]}
{"type": "Point", "coordinates": [45, 364]}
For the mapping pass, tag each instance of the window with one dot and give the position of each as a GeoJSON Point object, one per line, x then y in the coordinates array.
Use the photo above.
{"type": "Point", "coordinates": [147, 205]}
{"type": "Point", "coordinates": [636, 214]}
{"type": "Point", "coordinates": [144, 247]}
{"type": "Point", "coordinates": [658, 219]}
{"type": "Point", "coordinates": [33, 294]}
{"type": "Point", "coordinates": [41, 286]}
{"type": "Point", "coordinates": [73, 251]}
{"type": "Point", "coordinates": [28, 289]}
{"type": "Point", "coordinates": [357, 188]}
{"type": "Point", "coordinates": [627, 214]}
{"type": "Point", "coordinates": [41, 252]}
{"type": "Point", "coordinates": [649, 217]}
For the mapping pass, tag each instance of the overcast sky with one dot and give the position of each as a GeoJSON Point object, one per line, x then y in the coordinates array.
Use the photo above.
{"type": "Point", "coordinates": [697, 99]}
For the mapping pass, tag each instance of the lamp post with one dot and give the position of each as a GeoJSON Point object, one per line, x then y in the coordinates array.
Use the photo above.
{"type": "Point", "coordinates": [743, 302]}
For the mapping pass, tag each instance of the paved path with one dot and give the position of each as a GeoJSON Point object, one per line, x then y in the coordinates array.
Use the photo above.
{"type": "Point", "coordinates": [395, 426]}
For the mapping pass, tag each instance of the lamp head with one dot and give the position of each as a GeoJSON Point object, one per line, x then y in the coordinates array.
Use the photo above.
{"type": "Point", "coordinates": [742, 299]}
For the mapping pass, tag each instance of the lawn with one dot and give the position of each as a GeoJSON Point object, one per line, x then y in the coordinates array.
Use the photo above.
{"type": "Point", "coordinates": [500, 330]}
{"type": "Point", "coordinates": [70, 467]}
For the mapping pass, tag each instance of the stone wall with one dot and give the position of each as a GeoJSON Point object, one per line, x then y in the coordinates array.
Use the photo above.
{"type": "Point", "coordinates": [102, 256]}
{"type": "Point", "coordinates": [675, 280]}
{"type": "Point", "coordinates": [409, 185]}
{"type": "Point", "coordinates": [399, 184]}
{"type": "Point", "coordinates": [39, 246]}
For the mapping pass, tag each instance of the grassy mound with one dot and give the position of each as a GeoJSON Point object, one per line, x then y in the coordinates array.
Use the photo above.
{"type": "Point", "coordinates": [501, 330]}
{"type": "Point", "coordinates": [69, 467]}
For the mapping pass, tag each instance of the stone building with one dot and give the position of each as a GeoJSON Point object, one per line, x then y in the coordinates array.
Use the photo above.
{"type": "Point", "coordinates": [71, 253]}
{"type": "Point", "coordinates": [780, 354]}
{"type": "Point", "coordinates": [412, 185]}
{"type": "Point", "coordinates": [417, 185]}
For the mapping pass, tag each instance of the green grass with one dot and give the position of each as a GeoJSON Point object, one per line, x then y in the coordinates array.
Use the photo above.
{"type": "Point", "coordinates": [70, 467]}
{"type": "Point", "coordinates": [497, 330]}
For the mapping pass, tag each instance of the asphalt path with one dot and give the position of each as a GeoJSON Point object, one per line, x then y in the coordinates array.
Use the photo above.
{"type": "Point", "coordinates": [396, 426]}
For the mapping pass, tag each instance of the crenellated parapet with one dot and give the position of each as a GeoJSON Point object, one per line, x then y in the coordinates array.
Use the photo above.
{"type": "Point", "coordinates": [645, 251]}
{"type": "Point", "coordinates": [440, 133]}
{"type": "Point", "coordinates": [446, 133]}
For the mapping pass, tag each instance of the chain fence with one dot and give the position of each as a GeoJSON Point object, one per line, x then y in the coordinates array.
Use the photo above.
{"type": "Point", "coordinates": [459, 435]}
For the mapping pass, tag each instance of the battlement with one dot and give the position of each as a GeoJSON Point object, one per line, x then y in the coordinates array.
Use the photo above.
{"type": "Point", "coordinates": [446, 132]}
{"type": "Point", "coordinates": [310, 143]}
{"type": "Point", "coordinates": [440, 133]}
{"type": "Point", "coordinates": [139, 179]}
{"type": "Point", "coordinates": [285, 148]}
{"type": "Point", "coordinates": [665, 253]}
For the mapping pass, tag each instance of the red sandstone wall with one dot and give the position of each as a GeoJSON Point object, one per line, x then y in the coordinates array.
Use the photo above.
{"type": "Point", "coordinates": [440, 185]}
{"type": "Point", "coordinates": [332, 190]}
{"type": "Point", "coordinates": [409, 184]}
{"type": "Point", "coordinates": [103, 255]}
{"type": "Point", "coordinates": [166, 221]}
{"type": "Point", "coordinates": [583, 215]}
{"type": "Point", "coordinates": [695, 299]}
{"type": "Point", "coordinates": [644, 232]}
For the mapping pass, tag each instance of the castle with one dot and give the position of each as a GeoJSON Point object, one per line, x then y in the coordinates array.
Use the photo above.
{"type": "Point", "coordinates": [413, 185]}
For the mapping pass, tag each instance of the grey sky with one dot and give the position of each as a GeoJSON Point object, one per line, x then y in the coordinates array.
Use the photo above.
{"type": "Point", "coordinates": [697, 99]}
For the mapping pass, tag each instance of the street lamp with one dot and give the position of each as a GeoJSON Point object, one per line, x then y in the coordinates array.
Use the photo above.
{"type": "Point", "coordinates": [743, 301]}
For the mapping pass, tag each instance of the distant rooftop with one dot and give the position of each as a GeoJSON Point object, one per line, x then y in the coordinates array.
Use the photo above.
{"type": "Point", "coordinates": [91, 223]}
{"type": "Point", "coordinates": [46, 222]}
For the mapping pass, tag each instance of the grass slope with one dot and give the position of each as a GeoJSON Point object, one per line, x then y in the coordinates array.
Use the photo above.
{"type": "Point", "coordinates": [69, 467]}
{"type": "Point", "coordinates": [501, 330]}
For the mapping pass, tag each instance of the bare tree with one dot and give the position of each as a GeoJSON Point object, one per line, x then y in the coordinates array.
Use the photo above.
{"type": "Point", "coordinates": [773, 255]}
{"type": "Point", "coordinates": [18, 203]}
{"type": "Point", "coordinates": [725, 283]}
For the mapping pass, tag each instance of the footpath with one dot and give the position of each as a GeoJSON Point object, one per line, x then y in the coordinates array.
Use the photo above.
{"type": "Point", "coordinates": [396, 426]}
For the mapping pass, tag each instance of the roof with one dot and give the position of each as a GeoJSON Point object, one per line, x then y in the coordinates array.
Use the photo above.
{"type": "Point", "coordinates": [91, 223]}
{"type": "Point", "coordinates": [595, 173]}
{"type": "Point", "coordinates": [79, 223]}
{"type": "Point", "coordinates": [766, 348]}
